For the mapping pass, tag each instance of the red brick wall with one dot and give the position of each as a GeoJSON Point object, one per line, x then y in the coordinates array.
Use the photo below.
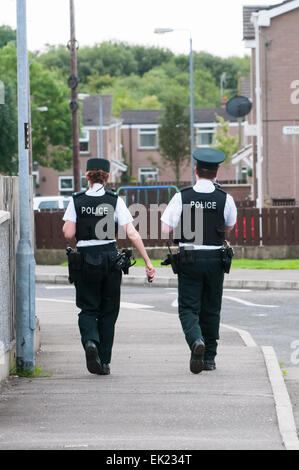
{"type": "Point", "coordinates": [143, 158]}
{"type": "Point", "coordinates": [279, 68]}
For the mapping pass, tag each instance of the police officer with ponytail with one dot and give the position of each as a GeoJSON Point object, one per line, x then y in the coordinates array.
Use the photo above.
{"type": "Point", "coordinates": [199, 217]}
{"type": "Point", "coordinates": [93, 217]}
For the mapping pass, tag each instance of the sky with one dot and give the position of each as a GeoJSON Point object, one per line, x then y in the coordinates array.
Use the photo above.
{"type": "Point", "coordinates": [215, 25]}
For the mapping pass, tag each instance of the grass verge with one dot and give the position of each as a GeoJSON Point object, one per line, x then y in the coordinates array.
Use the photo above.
{"type": "Point", "coordinates": [37, 372]}
{"type": "Point", "coordinates": [240, 263]}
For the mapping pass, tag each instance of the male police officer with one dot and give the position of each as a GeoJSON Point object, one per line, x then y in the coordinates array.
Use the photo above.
{"type": "Point", "coordinates": [93, 216]}
{"type": "Point", "coordinates": [199, 216]}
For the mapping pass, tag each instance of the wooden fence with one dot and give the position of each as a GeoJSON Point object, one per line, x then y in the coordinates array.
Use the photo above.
{"type": "Point", "coordinates": [280, 226]}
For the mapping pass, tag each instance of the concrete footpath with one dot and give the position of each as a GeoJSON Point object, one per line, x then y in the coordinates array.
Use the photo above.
{"type": "Point", "coordinates": [151, 400]}
{"type": "Point", "coordinates": [236, 279]}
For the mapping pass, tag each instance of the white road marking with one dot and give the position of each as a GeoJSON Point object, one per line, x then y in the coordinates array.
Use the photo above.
{"type": "Point", "coordinates": [175, 303]}
{"type": "Point", "coordinates": [59, 287]}
{"type": "Point", "coordinates": [237, 290]}
{"type": "Point", "coordinates": [247, 303]}
{"type": "Point", "coordinates": [126, 305]}
{"type": "Point", "coordinates": [45, 299]}
{"type": "Point", "coordinates": [132, 306]}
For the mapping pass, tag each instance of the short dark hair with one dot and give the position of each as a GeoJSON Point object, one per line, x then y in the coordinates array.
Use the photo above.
{"type": "Point", "coordinates": [206, 173]}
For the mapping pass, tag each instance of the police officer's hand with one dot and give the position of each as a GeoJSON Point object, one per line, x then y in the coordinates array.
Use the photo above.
{"type": "Point", "coordinates": [150, 272]}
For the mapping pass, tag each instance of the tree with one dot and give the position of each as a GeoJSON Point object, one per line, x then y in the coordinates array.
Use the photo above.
{"type": "Point", "coordinates": [122, 99]}
{"type": "Point", "coordinates": [174, 135]}
{"type": "Point", "coordinates": [96, 82]}
{"type": "Point", "coordinates": [7, 34]}
{"type": "Point", "coordinates": [51, 130]}
{"type": "Point", "coordinates": [228, 144]}
{"type": "Point", "coordinates": [149, 57]}
{"type": "Point", "coordinates": [8, 131]}
{"type": "Point", "coordinates": [150, 102]}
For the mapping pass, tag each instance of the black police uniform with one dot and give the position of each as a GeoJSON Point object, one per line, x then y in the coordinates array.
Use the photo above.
{"type": "Point", "coordinates": [200, 271]}
{"type": "Point", "coordinates": [93, 271]}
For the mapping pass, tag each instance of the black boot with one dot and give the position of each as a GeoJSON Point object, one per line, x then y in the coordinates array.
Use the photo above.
{"type": "Point", "coordinates": [197, 354]}
{"type": "Point", "coordinates": [93, 362]}
{"type": "Point", "coordinates": [105, 369]}
{"type": "Point", "coordinates": [209, 365]}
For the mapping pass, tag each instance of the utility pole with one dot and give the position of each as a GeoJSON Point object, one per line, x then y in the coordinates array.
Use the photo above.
{"type": "Point", "coordinates": [191, 110]}
{"type": "Point", "coordinates": [100, 136]}
{"type": "Point", "coordinates": [25, 263]}
{"type": "Point", "coordinates": [73, 84]}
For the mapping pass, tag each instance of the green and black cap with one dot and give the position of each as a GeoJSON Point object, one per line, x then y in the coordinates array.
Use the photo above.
{"type": "Point", "coordinates": [208, 158]}
{"type": "Point", "coordinates": [98, 164]}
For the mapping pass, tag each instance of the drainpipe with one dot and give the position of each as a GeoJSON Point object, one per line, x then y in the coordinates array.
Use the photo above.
{"type": "Point", "coordinates": [130, 150]}
{"type": "Point", "coordinates": [258, 94]}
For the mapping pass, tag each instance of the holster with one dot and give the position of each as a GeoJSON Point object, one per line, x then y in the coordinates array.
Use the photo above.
{"type": "Point", "coordinates": [172, 260]}
{"type": "Point", "coordinates": [75, 264]}
{"type": "Point", "coordinates": [227, 255]}
{"type": "Point", "coordinates": [186, 256]}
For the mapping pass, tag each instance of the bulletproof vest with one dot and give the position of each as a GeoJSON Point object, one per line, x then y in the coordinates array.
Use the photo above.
{"type": "Point", "coordinates": [95, 216]}
{"type": "Point", "coordinates": [208, 225]}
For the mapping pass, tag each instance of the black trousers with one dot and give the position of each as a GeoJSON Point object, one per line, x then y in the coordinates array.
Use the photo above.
{"type": "Point", "coordinates": [200, 297]}
{"type": "Point", "coordinates": [99, 302]}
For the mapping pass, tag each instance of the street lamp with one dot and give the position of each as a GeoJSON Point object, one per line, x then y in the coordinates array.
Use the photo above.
{"type": "Point", "coordinates": [170, 30]}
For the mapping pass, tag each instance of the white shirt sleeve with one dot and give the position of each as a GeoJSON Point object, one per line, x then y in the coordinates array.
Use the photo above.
{"type": "Point", "coordinates": [70, 213]}
{"type": "Point", "coordinates": [230, 212]}
{"type": "Point", "coordinates": [172, 214]}
{"type": "Point", "coordinates": [122, 214]}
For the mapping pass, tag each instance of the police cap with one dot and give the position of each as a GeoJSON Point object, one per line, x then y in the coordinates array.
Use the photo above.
{"type": "Point", "coordinates": [208, 158]}
{"type": "Point", "coordinates": [98, 164]}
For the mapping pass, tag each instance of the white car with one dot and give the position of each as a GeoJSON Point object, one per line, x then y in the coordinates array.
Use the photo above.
{"type": "Point", "coordinates": [50, 202]}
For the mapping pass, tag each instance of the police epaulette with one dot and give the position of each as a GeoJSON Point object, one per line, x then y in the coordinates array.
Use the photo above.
{"type": "Point", "coordinates": [218, 186]}
{"type": "Point", "coordinates": [186, 187]}
{"type": "Point", "coordinates": [79, 193]}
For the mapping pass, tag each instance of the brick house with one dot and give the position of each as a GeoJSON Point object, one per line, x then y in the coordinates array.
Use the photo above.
{"type": "Point", "coordinates": [52, 182]}
{"type": "Point", "coordinates": [277, 28]}
{"type": "Point", "coordinates": [140, 145]}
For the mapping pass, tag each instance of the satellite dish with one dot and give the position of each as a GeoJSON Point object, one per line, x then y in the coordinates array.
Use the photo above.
{"type": "Point", "coordinates": [238, 106]}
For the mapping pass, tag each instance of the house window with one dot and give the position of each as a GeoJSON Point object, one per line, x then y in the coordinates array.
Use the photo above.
{"type": "Point", "coordinates": [244, 171]}
{"type": "Point", "coordinates": [148, 138]}
{"type": "Point", "coordinates": [66, 185]}
{"type": "Point", "coordinates": [84, 142]}
{"type": "Point", "coordinates": [148, 175]}
{"type": "Point", "coordinates": [84, 183]}
{"type": "Point", "coordinates": [205, 136]}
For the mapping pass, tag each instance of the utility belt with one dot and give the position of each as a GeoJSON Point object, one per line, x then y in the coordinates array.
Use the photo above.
{"type": "Point", "coordinates": [190, 256]}
{"type": "Point", "coordinates": [91, 264]}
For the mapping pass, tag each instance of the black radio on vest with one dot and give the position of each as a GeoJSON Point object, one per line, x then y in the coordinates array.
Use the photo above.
{"type": "Point", "coordinates": [90, 211]}
{"type": "Point", "coordinates": [212, 207]}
